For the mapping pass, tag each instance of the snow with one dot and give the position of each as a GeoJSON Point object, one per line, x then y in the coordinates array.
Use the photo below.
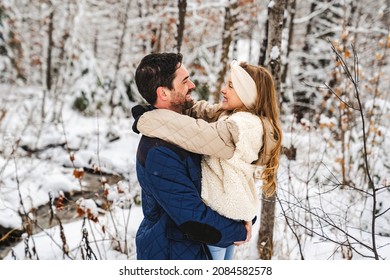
{"type": "Point", "coordinates": [271, 4]}
{"type": "Point", "coordinates": [275, 53]}
{"type": "Point", "coordinates": [113, 231]}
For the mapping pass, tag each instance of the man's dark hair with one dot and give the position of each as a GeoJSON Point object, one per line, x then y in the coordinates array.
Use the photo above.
{"type": "Point", "coordinates": [155, 70]}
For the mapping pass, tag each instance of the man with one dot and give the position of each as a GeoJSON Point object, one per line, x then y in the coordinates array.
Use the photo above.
{"type": "Point", "coordinates": [177, 224]}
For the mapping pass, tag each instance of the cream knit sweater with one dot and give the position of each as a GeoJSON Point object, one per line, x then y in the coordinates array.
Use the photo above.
{"type": "Point", "coordinates": [228, 186]}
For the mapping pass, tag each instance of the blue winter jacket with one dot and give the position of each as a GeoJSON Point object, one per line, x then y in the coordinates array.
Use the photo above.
{"type": "Point", "coordinates": [177, 224]}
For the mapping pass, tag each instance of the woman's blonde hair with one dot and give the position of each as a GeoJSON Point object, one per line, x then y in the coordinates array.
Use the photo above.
{"type": "Point", "coordinates": [267, 107]}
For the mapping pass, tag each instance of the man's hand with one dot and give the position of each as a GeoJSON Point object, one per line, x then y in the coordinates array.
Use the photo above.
{"type": "Point", "coordinates": [248, 227]}
{"type": "Point", "coordinates": [137, 111]}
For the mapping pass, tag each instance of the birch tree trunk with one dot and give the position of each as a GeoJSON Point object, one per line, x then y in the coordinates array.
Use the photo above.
{"type": "Point", "coordinates": [275, 27]}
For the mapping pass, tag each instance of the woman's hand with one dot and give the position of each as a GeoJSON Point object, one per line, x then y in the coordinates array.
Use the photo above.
{"type": "Point", "coordinates": [248, 227]}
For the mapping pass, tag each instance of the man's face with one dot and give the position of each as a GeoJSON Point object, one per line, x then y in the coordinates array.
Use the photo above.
{"type": "Point", "coordinates": [180, 95]}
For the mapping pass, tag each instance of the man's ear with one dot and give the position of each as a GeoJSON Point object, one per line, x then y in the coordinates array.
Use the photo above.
{"type": "Point", "coordinates": [162, 93]}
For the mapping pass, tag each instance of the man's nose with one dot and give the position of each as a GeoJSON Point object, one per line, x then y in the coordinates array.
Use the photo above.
{"type": "Point", "coordinates": [191, 85]}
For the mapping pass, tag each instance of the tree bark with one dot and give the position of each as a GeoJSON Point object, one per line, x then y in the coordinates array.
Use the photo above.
{"type": "Point", "coordinates": [275, 27]}
{"type": "Point", "coordinates": [291, 6]}
{"type": "Point", "coordinates": [49, 50]}
{"type": "Point", "coordinates": [124, 16]}
{"type": "Point", "coordinates": [227, 38]}
{"type": "Point", "coordinates": [182, 5]}
{"type": "Point", "coordinates": [265, 243]}
{"type": "Point", "coordinates": [263, 46]}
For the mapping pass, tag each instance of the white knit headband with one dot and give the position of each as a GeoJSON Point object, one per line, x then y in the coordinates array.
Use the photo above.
{"type": "Point", "coordinates": [243, 84]}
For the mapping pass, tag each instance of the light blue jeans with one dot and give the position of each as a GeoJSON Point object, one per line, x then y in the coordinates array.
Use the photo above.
{"type": "Point", "coordinates": [218, 253]}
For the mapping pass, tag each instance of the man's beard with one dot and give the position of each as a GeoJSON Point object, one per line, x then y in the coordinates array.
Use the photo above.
{"type": "Point", "coordinates": [188, 104]}
{"type": "Point", "coordinates": [182, 105]}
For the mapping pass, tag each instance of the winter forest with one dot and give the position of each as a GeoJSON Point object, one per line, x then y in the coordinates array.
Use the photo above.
{"type": "Point", "coordinates": [68, 187]}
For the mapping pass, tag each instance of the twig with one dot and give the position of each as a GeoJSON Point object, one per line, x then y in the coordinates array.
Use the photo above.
{"type": "Point", "coordinates": [292, 230]}
{"type": "Point", "coordinates": [355, 81]}
{"type": "Point", "coordinates": [88, 250]}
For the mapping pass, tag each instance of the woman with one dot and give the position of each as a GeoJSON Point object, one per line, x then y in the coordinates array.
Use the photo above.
{"type": "Point", "coordinates": [249, 117]}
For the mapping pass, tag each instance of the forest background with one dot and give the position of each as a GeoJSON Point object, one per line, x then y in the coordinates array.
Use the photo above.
{"type": "Point", "coordinates": [68, 189]}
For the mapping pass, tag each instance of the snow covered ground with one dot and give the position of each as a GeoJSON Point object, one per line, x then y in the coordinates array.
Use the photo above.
{"type": "Point", "coordinates": [315, 220]}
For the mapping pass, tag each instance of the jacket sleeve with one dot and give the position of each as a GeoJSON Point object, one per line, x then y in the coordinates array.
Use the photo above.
{"type": "Point", "coordinates": [177, 195]}
{"type": "Point", "coordinates": [205, 111]}
{"type": "Point", "coordinates": [196, 135]}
